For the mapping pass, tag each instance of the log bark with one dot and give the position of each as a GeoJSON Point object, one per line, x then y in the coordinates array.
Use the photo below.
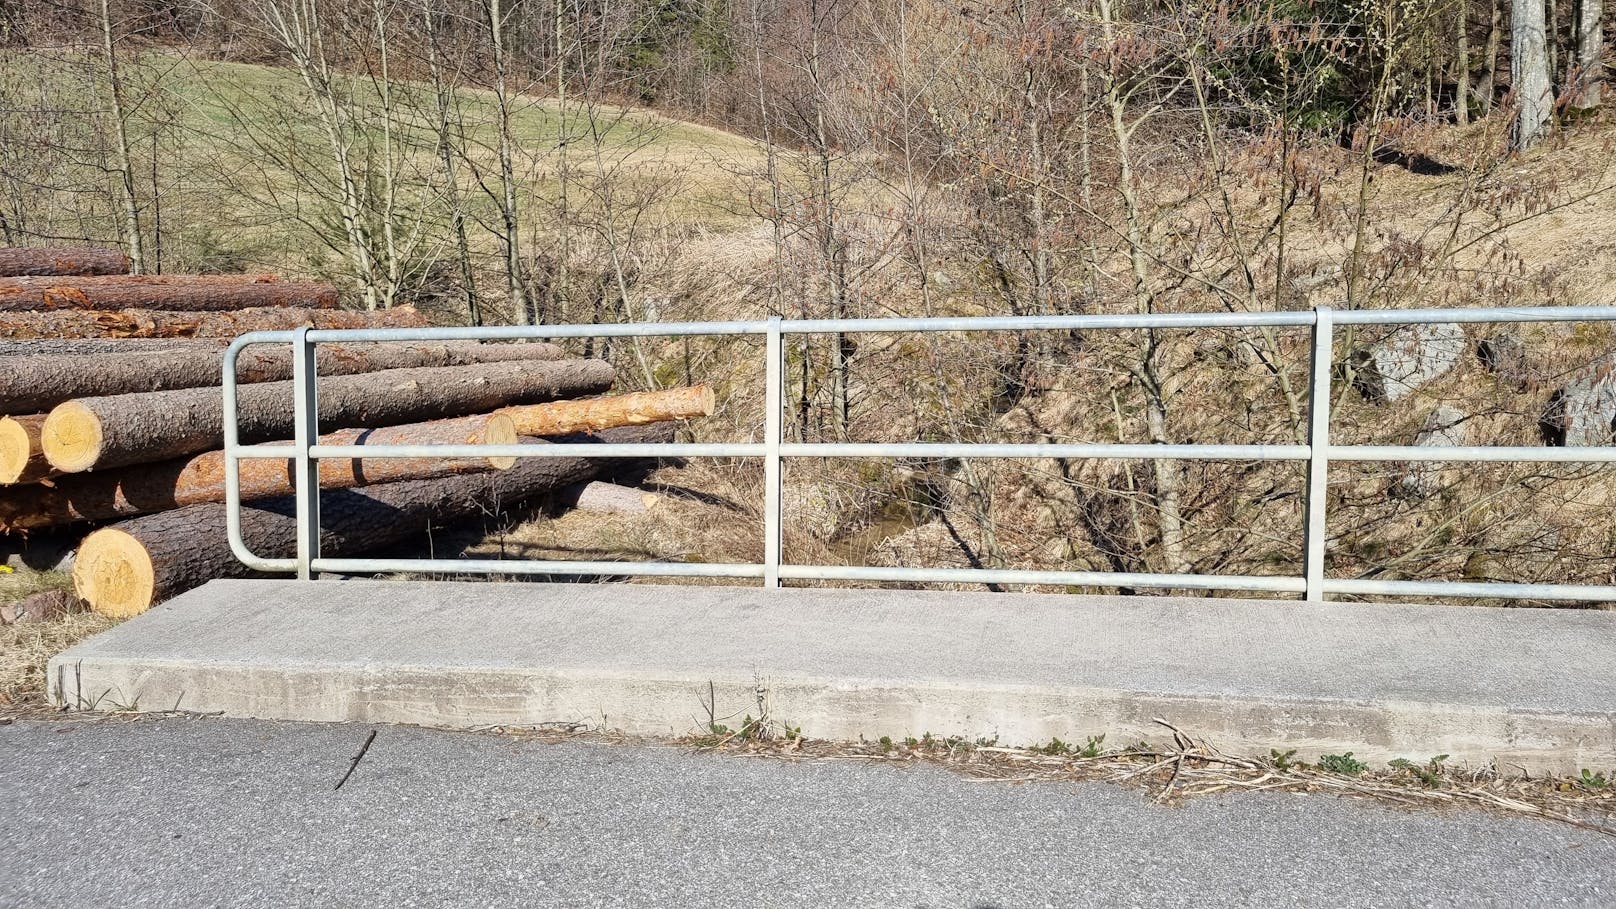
{"type": "Point", "coordinates": [598, 497]}
{"type": "Point", "coordinates": [146, 488]}
{"type": "Point", "coordinates": [29, 384]}
{"type": "Point", "coordinates": [30, 284]}
{"type": "Point", "coordinates": [22, 458]}
{"type": "Point", "coordinates": [205, 294]}
{"type": "Point", "coordinates": [96, 346]}
{"type": "Point", "coordinates": [124, 569]}
{"type": "Point", "coordinates": [145, 323]}
{"type": "Point", "coordinates": [98, 433]}
{"type": "Point", "coordinates": [636, 409]}
{"type": "Point", "coordinates": [62, 260]}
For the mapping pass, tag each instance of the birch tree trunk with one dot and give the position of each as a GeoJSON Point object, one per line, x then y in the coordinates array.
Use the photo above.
{"type": "Point", "coordinates": [1461, 56]}
{"type": "Point", "coordinates": [1589, 89]}
{"type": "Point", "coordinates": [125, 162]}
{"type": "Point", "coordinates": [515, 292]}
{"type": "Point", "coordinates": [1529, 73]}
{"type": "Point", "coordinates": [299, 31]}
{"type": "Point", "coordinates": [392, 255]}
{"type": "Point", "coordinates": [1551, 42]}
{"type": "Point", "coordinates": [832, 247]}
{"type": "Point", "coordinates": [448, 154]}
{"type": "Point", "coordinates": [559, 290]}
{"type": "Point", "coordinates": [1165, 472]}
{"type": "Point", "coordinates": [1495, 30]}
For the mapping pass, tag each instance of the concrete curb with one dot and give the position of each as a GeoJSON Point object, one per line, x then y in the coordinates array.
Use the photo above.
{"type": "Point", "coordinates": [1525, 689]}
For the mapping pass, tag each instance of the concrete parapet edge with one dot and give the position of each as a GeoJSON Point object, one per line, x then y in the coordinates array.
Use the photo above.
{"type": "Point", "coordinates": [670, 706]}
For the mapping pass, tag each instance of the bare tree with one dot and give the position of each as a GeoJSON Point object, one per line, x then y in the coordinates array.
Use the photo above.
{"type": "Point", "coordinates": [1588, 88]}
{"type": "Point", "coordinates": [1495, 31]}
{"type": "Point", "coordinates": [511, 234]}
{"type": "Point", "coordinates": [1529, 73]}
{"type": "Point", "coordinates": [450, 133]}
{"type": "Point", "coordinates": [297, 29]}
{"type": "Point", "coordinates": [119, 112]}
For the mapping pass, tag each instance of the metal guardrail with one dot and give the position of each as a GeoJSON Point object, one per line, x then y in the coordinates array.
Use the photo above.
{"type": "Point", "coordinates": [305, 452]}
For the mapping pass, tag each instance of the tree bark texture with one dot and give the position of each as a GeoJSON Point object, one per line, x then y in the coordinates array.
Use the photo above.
{"type": "Point", "coordinates": [1529, 73]}
{"type": "Point", "coordinates": [599, 497]}
{"type": "Point", "coordinates": [62, 260]}
{"type": "Point", "coordinates": [1589, 89]}
{"type": "Point", "coordinates": [38, 284]}
{"type": "Point", "coordinates": [636, 409]}
{"type": "Point", "coordinates": [30, 384]}
{"type": "Point", "coordinates": [146, 323]}
{"type": "Point", "coordinates": [124, 569]}
{"type": "Point", "coordinates": [80, 347]}
{"type": "Point", "coordinates": [169, 294]}
{"type": "Point", "coordinates": [98, 433]}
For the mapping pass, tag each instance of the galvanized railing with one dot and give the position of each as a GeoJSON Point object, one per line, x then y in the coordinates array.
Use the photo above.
{"type": "Point", "coordinates": [305, 452]}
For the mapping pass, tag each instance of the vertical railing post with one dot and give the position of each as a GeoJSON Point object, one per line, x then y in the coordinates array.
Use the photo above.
{"type": "Point", "coordinates": [305, 432]}
{"type": "Point", "coordinates": [773, 403]}
{"type": "Point", "coordinates": [232, 465]}
{"type": "Point", "coordinates": [1318, 464]}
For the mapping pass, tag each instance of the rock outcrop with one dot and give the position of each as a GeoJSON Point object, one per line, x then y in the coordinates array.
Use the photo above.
{"type": "Point", "coordinates": [1405, 359]}
{"type": "Point", "coordinates": [1582, 412]}
{"type": "Point", "coordinates": [1443, 428]}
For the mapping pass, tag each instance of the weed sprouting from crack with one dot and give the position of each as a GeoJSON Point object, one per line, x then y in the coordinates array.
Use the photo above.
{"type": "Point", "coordinates": [1190, 768]}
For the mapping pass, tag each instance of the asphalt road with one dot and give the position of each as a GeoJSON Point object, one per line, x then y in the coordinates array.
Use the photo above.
{"type": "Point", "coordinates": [207, 812]}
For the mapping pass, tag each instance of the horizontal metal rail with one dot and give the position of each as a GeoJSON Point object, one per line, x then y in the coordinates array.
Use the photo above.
{"type": "Point", "coordinates": [535, 566]}
{"type": "Point", "coordinates": [937, 450]}
{"type": "Point", "coordinates": [1472, 453]}
{"type": "Point", "coordinates": [306, 451]}
{"type": "Point", "coordinates": [1500, 590]}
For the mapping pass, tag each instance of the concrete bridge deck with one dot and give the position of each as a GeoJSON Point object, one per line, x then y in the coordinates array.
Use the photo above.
{"type": "Point", "coordinates": [1525, 688]}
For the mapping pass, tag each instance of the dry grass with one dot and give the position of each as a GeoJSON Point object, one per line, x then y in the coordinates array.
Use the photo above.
{"type": "Point", "coordinates": [15, 585]}
{"type": "Point", "coordinates": [26, 648]}
{"type": "Point", "coordinates": [1171, 773]}
{"type": "Point", "coordinates": [1187, 768]}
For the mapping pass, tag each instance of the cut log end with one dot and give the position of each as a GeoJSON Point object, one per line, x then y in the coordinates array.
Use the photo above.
{"type": "Point", "coordinates": [21, 460]}
{"type": "Point", "coordinates": [113, 574]}
{"type": "Point", "coordinates": [14, 450]}
{"type": "Point", "coordinates": [499, 429]}
{"type": "Point", "coordinates": [72, 437]}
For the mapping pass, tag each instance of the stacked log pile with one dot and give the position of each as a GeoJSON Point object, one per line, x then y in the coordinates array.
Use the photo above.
{"type": "Point", "coordinates": [62, 261]}
{"type": "Point", "coordinates": [112, 422]}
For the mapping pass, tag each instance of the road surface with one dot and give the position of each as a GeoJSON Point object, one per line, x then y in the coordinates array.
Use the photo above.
{"type": "Point", "coordinates": [192, 812]}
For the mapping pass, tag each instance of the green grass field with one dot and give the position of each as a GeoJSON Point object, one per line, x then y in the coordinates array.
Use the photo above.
{"type": "Point", "coordinates": [214, 92]}
{"type": "Point", "coordinates": [238, 165]}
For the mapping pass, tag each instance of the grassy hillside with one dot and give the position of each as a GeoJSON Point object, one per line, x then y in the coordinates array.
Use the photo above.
{"type": "Point", "coordinates": [236, 167]}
